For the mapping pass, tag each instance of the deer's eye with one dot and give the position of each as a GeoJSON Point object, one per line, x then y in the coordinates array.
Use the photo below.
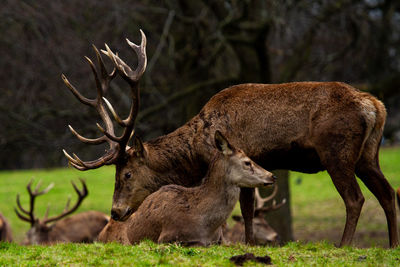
{"type": "Point", "coordinates": [247, 163]}
{"type": "Point", "coordinates": [128, 175]}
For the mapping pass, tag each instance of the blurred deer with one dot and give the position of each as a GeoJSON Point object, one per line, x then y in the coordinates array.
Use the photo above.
{"type": "Point", "coordinates": [82, 227]}
{"type": "Point", "coordinates": [263, 233]}
{"type": "Point", "coordinates": [192, 216]}
{"type": "Point", "coordinates": [5, 230]}
{"type": "Point", "coordinates": [301, 126]}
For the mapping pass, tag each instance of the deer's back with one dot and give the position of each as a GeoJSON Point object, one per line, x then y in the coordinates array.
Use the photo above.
{"type": "Point", "coordinates": [171, 207]}
{"type": "Point", "coordinates": [81, 227]}
{"type": "Point", "coordinates": [275, 123]}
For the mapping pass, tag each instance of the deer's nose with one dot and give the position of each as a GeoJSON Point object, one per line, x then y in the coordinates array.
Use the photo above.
{"type": "Point", "coordinates": [274, 178]}
{"type": "Point", "coordinates": [115, 215]}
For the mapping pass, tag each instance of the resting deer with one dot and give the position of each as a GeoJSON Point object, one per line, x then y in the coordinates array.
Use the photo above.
{"type": "Point", "coordinates": [5, 230]}
{"type": "Point", "coordinates": [194, 216]}
{"type": "Point", "coordinates": [301, 126]}
{"type": "Point", "coordinates": [81, 227]}
{"type": "Point", "coordinates": [264, 234]}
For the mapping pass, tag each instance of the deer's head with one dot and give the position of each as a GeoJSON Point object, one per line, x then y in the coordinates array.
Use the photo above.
{"type": "Point", "coordinates": [40, 228]}
{"type": "Point", "coordinates": [241, 170]}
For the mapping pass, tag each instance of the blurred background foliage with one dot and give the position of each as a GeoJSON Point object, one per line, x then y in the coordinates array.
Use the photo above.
{"type": "Point", "coordinates": [195, 49]}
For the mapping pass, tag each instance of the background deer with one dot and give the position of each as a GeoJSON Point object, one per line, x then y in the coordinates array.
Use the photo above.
{"type": "Point", "coordinates": [264, 234]}
{"type": "Point", "coordinates": [81, 227]}
{"type": "Point", "coordinates": [194, 216]}
{"type": "Point", "coordinates": [301, 126]}
{"type": "Point", "coordinates": [5, 230]}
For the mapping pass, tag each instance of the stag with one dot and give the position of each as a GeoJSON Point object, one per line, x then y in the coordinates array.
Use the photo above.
{"type": "Point", "coordinates": [5, 230]}
{"type": "Point", "coordinates": [81, 227]}
{"type": "Point", "coordinates": [194, 216]}
{"type": "Point", "coordinates": [301, 126]}
{"type": "Point", "coordinates": [264, 234]}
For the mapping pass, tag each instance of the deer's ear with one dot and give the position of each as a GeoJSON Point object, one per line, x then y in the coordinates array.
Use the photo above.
{"type": "Point", "coordinates": [138, 147]}
{"type": "Point", "coordinates": [222, 144]}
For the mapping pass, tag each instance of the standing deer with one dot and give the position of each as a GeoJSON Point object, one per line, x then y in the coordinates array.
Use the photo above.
{"type": "Point", "coordinates": [301, 126]}
{"type": "Point", "coordinates": [264, 234]}
{"type": "Point", "coordinates": [193, 215]}
{"type": "Point", "coordinates": [5, 230]}
{"type": "Point", "coordinates": [81, 227]}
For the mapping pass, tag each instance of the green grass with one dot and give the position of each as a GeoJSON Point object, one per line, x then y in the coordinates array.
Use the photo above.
{"type": "Point", "coordinates": [318, 214]}
{"type": "Point", "coordinates": [150, 254]}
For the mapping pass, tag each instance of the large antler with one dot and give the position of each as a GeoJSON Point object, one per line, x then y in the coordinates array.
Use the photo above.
{"type": "Point", "coordinates": [81, 195]}
{"type": "Point", "coordinates": [260, 202]}
{"type": "Point", "coordinates": [117, 144]}
{"type": "Point", "coordinates": [32, 194]}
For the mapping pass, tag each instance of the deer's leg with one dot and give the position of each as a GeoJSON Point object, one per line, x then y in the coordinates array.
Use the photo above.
{"type": "Point", "coordinates": [348, 188]}
{"type": "Point", "coordinates": [373, 178]}
{"type": "Point", "coordinates": [247, 207]}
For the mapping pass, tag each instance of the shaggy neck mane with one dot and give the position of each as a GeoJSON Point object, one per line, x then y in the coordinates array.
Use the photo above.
{"type": "Point", "coordinates": [174, 155]}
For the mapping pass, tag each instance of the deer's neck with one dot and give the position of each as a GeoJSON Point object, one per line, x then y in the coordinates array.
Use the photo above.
{"type": "Point", "coordinates": [217, 195]}
{"type": "Point", "coordinates": [175, 157]}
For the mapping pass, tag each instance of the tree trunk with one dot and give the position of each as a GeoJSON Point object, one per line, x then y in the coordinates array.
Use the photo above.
{"type": "Point", "coordinates": [281, 219]}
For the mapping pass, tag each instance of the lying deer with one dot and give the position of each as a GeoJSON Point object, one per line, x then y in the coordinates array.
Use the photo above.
{"type": "Point", "coordinates": [301, 126]}
{"type": "Point", "coordinates": [5, 230]}
{"type": "Point", "coordinates": [193, 216]}
{"type": "Point", "coordinates": [81, 227]}
{"type": "Point", "coordinates": [264, 234]}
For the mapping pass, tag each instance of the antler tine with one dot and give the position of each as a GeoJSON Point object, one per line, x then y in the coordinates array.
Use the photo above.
{"type": "Point", "coordinates": [84, 100]}
{"type": "Point", "coordinates": [94, 141]}
{"type": "Point", "coordinates": [141, 52]}
{"type": "Point", "coordinates": [96, 79]}
{"type": "Point", "coordinates": [20, 206]}
{"type": "Point", "coordinates": [84, 191]}
{"type": "Point", "coordinates": [23, 217]}
{"type": "Point", "coordinates": [116, 117]}
{"type": "Point", "coordinates": [81, 195]}
{"type": "Point", "coordinates": [44, 191]}
{"type": "Point", "coordinates": [261, 201]}
{"type": "Point", "coordinates": [274, 206]}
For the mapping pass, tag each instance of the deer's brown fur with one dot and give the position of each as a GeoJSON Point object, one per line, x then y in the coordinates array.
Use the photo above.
{"type": "Point", "coordinates": [192, 216]}
{"type": "Point", "coordinates": [302, 126]}
{"type": "Point", "coordinates": [83, 227]}
{"type": "Point", "coordinates": [5, 230]}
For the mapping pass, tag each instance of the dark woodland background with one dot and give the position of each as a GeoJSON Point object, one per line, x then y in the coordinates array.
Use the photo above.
{"type": "Point", "coordinates": [195, 49]}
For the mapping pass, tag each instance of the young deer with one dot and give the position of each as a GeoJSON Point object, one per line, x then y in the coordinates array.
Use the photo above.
{"type": "Point", "coordinates": [264, 234]}
{"type": "Point", "coordinates": [301, 126]}
{"type": "Point", "coordinates": [193, 216]}
{"type": "Point", "coordinates": [81, 227]}
{"type": "Point", "coordinates": [5, 230]}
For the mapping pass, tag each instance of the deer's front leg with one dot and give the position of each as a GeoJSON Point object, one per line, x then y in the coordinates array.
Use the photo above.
{"type": "Point", "coordinates": [247, 207]}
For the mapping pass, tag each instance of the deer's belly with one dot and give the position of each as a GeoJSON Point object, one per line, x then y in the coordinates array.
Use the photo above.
{"type": "Point", "coordinates": [295, 159]}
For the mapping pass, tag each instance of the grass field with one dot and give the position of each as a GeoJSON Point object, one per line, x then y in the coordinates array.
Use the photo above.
{"type": "Point", "coordinates": [318, 214]}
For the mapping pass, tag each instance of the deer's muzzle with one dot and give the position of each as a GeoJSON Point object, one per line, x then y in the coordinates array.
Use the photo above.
{"type": "Point", "coordinates": [121, 214]}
